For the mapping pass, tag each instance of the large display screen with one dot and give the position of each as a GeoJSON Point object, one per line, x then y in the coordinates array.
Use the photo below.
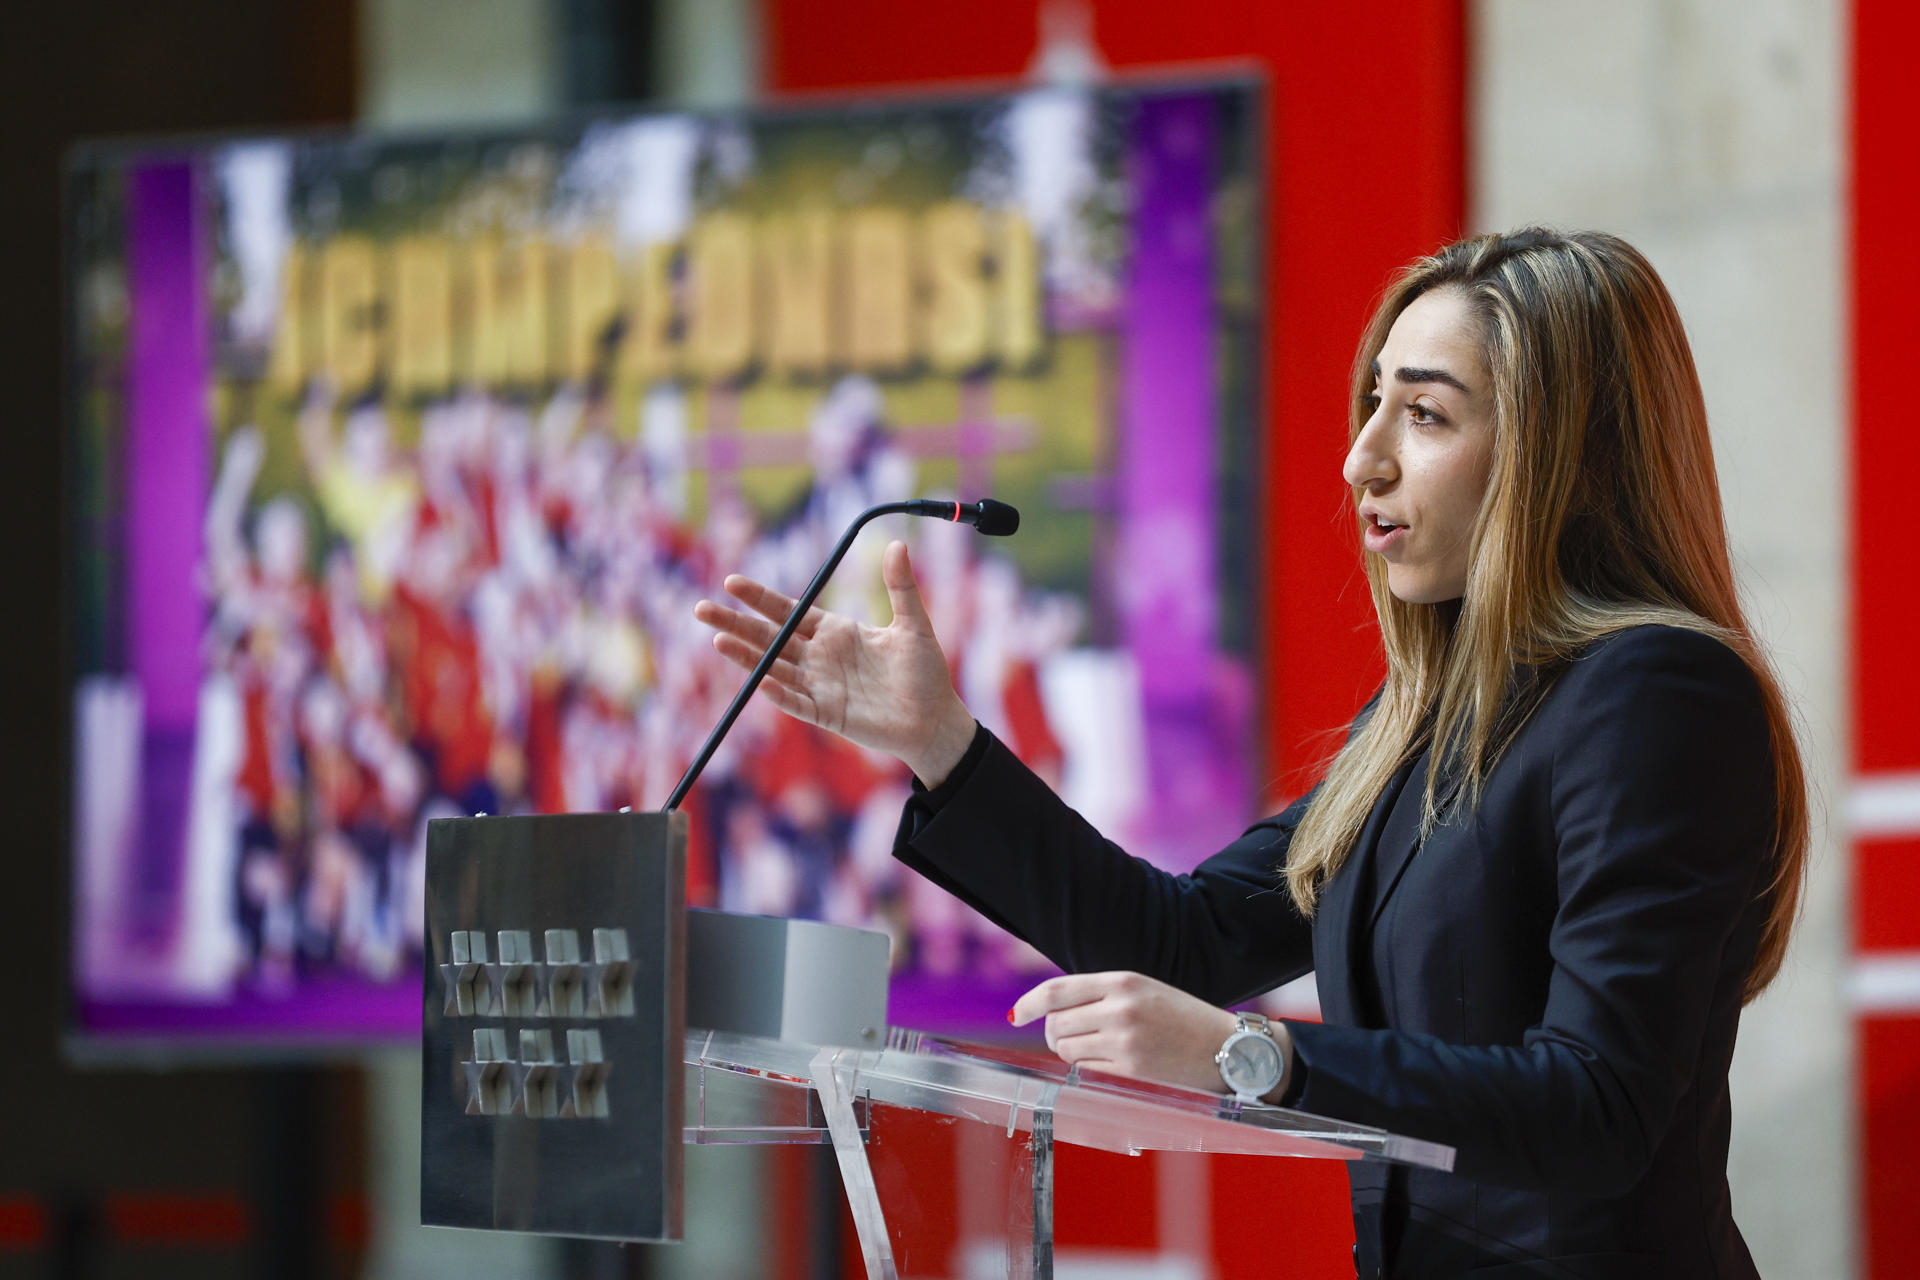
{"type": "Point", "coordinates": [401, 462]}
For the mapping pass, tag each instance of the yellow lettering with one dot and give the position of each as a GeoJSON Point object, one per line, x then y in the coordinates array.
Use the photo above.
{"type": "Point", "coordinates": [289, 361]}
{"type": "Point", "coordinates": [509, 309]}
{"type": "Point", "coordinates": [422, 316]}
{"type": "Point", "coordinates": [878, 329]}
{"type": "Point", "coordinates": [1016, 288]}
{"type": "Point", "coordinates": [720, 328]}
{"type": "Point", "coordinates": [653, 347]}
{"type": "Point", "coordinates": [351, 324]}
{"type": "Point", "coordinates": [486, 357]}
{"type": "Point", "coordinates": [795, 293]}
{"type": "Point", "coordinates": [796, 253]}
{"type": "Point", "coordinates": [593, 305]}
{"type": "Point", "coordinates": [954, 323]}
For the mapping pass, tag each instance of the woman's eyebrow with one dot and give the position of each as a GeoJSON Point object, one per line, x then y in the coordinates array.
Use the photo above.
{"type": "Point", "coordinates": [1432, 375]}
{"type": "Point", "coordinates": [1414, 374]}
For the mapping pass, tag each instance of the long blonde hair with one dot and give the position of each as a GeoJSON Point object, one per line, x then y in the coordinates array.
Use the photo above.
{"type": "Point", "coordinates": [1602, 513]}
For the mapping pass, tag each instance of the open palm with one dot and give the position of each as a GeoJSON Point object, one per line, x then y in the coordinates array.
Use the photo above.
{"type": "Point", "coordinates": [887, 688]}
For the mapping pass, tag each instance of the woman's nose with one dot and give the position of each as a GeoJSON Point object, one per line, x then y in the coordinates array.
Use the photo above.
{"type": "Point", "coordinates": [1369, 463]}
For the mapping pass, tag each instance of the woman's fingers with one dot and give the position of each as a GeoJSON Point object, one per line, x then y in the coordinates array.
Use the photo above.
{"type": "Point", "coordinates": [747, 656]}
{"type": "Point", "coordinates": [1077, 1028]}
{"type": "Point", "coordinates": [768, 603]}
{"type": "Point", "coordinates": [1080, 1020]}
{"type": "Point", "coordinates": [1083, 1011]}
{"type": "Point", "coordinates": [751, 630]}
{"type": "Point", "coordinates": [1091, 1050]}
{"type": "Point", "coordinates": [751, 636]}
{"type": "Point", "coordinates": [1065, 992]}
{"type": "Point", "coordinates": [754, 635]}
{"type": "Point", "coordinates": [783, 684]}
{"type": "Point", "coordinates": [903, 589]}
{"type": "Point", "coordinates": [1129, 1024]}
{"type": "Point", "coordinates": [885, 688]}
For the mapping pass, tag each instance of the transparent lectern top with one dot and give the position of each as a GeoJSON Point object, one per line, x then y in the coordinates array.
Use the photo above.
{"type": "Point", "coordinates": [1006, 1087]}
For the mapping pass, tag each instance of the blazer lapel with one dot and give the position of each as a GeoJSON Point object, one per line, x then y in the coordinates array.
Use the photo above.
{"type": "Point", "coordinates": [1340, 932]}
{"type": "Point", "coordinates": [1399, 840]}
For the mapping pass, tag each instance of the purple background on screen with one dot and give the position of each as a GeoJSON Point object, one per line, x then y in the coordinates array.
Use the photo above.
{"type": "Point", "coordinates": [321, 1008]}
{"type": "Point", "coordinates": [1167, 495]}
{"type": "Point", "coordinates": [168, 445]}
{"type": "Point", "coordinates": [1197, 736]}
{"type": "Point", "coordinates": [1166, 452]}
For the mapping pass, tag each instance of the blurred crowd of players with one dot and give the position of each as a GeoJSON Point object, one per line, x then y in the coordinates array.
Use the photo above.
{"type": "Point", "coordinates": [500, 621]}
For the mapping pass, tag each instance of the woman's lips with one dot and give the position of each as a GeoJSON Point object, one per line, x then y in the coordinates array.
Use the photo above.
{"type": "Point", "coordinates": [1382, 540]}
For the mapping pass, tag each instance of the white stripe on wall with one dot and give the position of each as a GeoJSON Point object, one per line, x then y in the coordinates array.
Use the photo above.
{"type": "Point", "coordinates": [1884, 804]}
{"type": "Point", "coordinates": [1885, 982]}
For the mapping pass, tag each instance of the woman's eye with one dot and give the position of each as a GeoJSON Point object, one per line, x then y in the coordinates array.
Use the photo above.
{"type": "Point", "coordinates": [1423, 415]}
{"type": "Point", "coordinates": [1370, 402]}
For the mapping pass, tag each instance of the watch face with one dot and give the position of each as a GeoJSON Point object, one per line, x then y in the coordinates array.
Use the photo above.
{"type": "Point", "coordinates": [1252, 1064]}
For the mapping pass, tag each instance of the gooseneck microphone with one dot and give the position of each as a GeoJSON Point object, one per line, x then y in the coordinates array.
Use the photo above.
{"type": "Point", "coordinates": [995, 519]}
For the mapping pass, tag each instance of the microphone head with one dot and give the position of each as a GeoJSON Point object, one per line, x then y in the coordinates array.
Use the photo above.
{"type": "Point", "coordinates": [995, 519]}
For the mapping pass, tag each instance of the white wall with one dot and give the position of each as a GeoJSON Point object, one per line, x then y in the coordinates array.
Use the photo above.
{"type": "Point", "coordinates": [1709, 133]}
{"type": "Point", "coordinates": [458, 62]}
{"type": "Point", "coordinates": [709, 53]}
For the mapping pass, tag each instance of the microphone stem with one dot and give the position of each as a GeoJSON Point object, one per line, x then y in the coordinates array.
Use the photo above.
{"type": "Point", "coordinates": [768, 658]}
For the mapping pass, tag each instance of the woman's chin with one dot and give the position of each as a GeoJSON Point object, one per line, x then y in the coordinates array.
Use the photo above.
{"type": "Point", "coordinates": [1420, 589]}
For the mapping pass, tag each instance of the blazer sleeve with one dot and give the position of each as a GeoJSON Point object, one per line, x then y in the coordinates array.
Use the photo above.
{"type": "Point", "coordinates": [1004, 843]}
{"type": "Point", "coordinates": [1664, 817]}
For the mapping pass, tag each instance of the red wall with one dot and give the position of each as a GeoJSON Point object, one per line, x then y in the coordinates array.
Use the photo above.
{"type": "Point", "coordinates": [1366, 164]}
{"type": "Point", "coordinates": [1885, 270]}
{"type": "Point", "coordinates": [1367, 170]}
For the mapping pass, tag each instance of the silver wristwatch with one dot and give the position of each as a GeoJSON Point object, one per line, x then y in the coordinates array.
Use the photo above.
{"type": "Point", "coordinates": [1250, 1061]}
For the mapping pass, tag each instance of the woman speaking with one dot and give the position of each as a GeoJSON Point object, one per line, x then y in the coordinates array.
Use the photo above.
{"type": "Point", "coordinates": [1561, 847]}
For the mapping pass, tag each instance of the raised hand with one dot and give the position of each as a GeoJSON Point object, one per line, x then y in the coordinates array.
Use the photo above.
{"type": "Point", "coordinates": [1132, 1025]}
{"type": "Point", "coordinates": [887, 688]}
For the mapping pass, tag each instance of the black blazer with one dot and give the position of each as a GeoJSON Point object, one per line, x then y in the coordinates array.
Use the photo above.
{"type": "Point", "coordinates": [1551, 984]}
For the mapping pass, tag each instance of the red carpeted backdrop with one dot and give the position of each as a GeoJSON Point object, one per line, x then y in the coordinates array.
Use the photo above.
{"type": "Point", "coordinates": [1366, 156]}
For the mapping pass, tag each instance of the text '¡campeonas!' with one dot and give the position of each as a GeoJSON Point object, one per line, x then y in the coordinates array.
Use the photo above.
{"type": "Point", "coordinates": [951, 288]}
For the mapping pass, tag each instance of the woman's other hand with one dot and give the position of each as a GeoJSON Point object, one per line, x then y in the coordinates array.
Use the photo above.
{"type": "Point", "coordinates": [1132, 1025]}
{"type": "Point", "coordinates": [887, 688]}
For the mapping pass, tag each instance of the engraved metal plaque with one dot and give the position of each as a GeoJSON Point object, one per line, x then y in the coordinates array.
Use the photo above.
{"type": "Point", "coordinates": [553, 1024]}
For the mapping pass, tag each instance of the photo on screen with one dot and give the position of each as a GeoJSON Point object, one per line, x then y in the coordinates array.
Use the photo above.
{"type": "Point", "coordinates": [401, 462]}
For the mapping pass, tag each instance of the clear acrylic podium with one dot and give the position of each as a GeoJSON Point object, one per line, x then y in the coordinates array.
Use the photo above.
{"type": "Point", "coordinates": [755, 1090]}
{"type": "Point", "coordinates": [563, 1077]}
